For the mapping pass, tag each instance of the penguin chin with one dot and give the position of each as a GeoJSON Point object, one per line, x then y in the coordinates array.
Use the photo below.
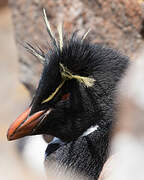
{"type": "Point", "coordinates": [55, 144]}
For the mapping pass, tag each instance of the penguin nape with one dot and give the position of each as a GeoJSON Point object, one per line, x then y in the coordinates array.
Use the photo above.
{"type": "Point", "coordinates": [74, 102]}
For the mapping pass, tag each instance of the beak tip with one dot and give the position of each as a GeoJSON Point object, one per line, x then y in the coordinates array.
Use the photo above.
{"type": "Point", "coordinates": [9, 136]}
{"type": "Point", "coordinates": [12, 129]}
{"type": "Point", "coordinates": [9, 139]}
{"type": "Point", "coordinates": [23, 126]}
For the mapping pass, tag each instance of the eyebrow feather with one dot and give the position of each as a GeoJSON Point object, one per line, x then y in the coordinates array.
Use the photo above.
{"type": "Point", "coordinates": [54, 93]}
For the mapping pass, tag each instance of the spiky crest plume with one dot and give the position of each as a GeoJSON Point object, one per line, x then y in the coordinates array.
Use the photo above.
{"type": "Point", "coordinates": [65, 72]}
{"type": "Point", "coordinates": [37, 53]}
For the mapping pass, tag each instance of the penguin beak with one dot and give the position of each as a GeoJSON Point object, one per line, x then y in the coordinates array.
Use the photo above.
{"type": "Point", "coordinates": [25, 125]}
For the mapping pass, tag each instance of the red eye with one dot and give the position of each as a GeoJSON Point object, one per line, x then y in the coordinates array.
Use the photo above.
{"type": "Point", "coordinates": [65, 96]}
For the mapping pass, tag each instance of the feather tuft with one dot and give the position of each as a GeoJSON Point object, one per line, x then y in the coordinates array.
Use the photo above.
{"type": "Point", "coordinates": [39, 54]}
{"type": "Point", "coordinates": [85, 35]}
{"type": "Point", "coordinates": [60, 32]}
{"type": "Point", "coordinates": [49, 28]}
{"type": "Point", "coordinates": [66, 74]}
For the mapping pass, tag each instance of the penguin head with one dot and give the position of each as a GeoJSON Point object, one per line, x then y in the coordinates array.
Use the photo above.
{"type": "Point", "coordinates": [76, 89]}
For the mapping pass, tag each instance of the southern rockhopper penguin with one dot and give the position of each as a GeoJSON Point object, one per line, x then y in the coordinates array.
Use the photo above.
{"type": "Point", "coordinates": [74, 101]}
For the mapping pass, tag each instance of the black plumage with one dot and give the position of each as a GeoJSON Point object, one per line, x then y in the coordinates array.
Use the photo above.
{"type": "Point", "coordinates": [88, 106]}
{"type": "Point", "coordinates": [76, 100]}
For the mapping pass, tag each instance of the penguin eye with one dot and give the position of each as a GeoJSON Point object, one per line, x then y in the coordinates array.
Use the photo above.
{"type": "Point", "coordinates": [65, 96]}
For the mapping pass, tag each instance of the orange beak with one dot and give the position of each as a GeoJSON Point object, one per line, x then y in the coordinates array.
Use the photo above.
{"type": "Point", "coordinates": [24, 125]}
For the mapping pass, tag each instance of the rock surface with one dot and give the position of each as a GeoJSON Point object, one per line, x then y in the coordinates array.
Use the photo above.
{"type": "Point", "coordinates": [117, 23]}
{"type": "Point", "coordinates": [3, 3]}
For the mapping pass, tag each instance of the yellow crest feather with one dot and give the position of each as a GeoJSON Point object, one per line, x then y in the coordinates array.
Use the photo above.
{"type": "Point", "coordinates": [85, 35]}
{"type": "Point", "coordinates": [49, 28]}
{"type": "Point", "coordinates": [66, 74]}
{"type": "Point", "coordinates": [60, 32]}
{"type": "Point", "coordinates": [54, 93]}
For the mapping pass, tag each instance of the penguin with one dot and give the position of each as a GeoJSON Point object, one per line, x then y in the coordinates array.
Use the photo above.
{"type": "Point", "coordinates": [74, 101]}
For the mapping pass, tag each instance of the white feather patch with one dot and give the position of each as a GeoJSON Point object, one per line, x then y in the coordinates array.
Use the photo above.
{"type": "Point", "coordinates": [90, 130]}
